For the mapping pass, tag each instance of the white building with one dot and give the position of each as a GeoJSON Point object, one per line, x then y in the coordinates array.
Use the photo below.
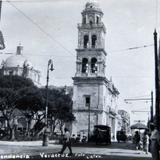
{"type": "Point", "coordinates": [94, 96]}
{"type": "Point", "coordinates": [19, 65]}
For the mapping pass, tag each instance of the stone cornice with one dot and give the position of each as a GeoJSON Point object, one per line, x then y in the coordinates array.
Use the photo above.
{"type": "Point", "coordinates": [90, 79]}
{"type": "Point", "coordinates": [92, 49]}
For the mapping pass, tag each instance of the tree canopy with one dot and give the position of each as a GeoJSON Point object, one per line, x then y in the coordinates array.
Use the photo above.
{"type": "Point", "coordinates": [15, 82]}
{"type": "Point", "coordinates": [59, 106]}
{"type": "Point", "coordinates": [20, 93]}
{"type": "Point", "coordinates": [30, 98]}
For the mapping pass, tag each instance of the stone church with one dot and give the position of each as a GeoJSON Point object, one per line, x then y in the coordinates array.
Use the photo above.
{"type": "Point", "coordinates": [19, 65]}
{"type": "Point", "coordinates": [94, 96]}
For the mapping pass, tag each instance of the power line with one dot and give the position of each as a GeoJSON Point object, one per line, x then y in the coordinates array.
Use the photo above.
{"type": "Point", "coordinates": [40, 28]}
{"type": "Point", "coordinates": [138, 99]}
{"type": "Point", "coordinates": [133, 111]}
{"type": "Point", "coordinates": [48, 35]}
{"type": "Point", "coordinates": [142, 96]}
{"type": "Point", "coordinates": [132, 48]}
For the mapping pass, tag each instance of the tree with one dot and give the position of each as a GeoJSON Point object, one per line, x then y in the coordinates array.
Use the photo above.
{"type": "Point", "coordinates": [9, 95]}
{"type": "Point", "coordinates": [15, 82]}
{"type": "Point", "coordinates": [8, 99]}
{"type": "Point", "coordinates": [31, 103]}
{"type": "Point", "coordinates": [59, 107]}
{"type": "Point", "coordinates": [20, 93]}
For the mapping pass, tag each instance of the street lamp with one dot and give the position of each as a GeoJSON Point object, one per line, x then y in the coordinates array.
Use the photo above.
{"type": "Point", "coordinates": [49, 68]}
{"type": "Point", "coordinates": [45, 136]}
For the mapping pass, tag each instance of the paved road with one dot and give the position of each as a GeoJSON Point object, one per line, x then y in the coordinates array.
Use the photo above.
{"type": "Point", "coordinates": [34, 150]}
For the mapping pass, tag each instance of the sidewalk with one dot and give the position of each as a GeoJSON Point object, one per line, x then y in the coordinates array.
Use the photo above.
{"type": "Point", "coordinates": [34, 148]}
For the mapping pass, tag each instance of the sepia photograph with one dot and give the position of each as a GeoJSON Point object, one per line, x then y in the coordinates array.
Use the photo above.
{"type": "Point", "coordinates": [79, 79]}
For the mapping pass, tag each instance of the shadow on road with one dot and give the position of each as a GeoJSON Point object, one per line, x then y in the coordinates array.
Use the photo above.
{"type": "Point", "coordinates": [113, 145]}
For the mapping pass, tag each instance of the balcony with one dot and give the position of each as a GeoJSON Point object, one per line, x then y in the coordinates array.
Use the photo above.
{"type": "Point", "coordinates": [88, 26]}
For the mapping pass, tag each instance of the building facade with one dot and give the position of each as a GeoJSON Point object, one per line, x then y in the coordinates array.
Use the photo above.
{"type": "Point", "coordinates": [19, 65]}
{"type": "Point", "coordinates": [94, 96]}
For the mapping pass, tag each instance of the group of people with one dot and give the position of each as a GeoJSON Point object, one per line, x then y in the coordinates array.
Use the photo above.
{"type": "Point", "coordinates": [150, 141]}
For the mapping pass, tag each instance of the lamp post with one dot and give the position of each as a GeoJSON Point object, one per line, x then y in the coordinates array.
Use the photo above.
{"type": "Point", "coordinates": [45, 136]}
{"type": "Point", "coordinates": [157, 101]}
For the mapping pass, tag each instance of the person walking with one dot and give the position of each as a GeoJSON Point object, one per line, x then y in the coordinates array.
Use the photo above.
{"type": "Point", "coordinates": [145, 140]}
{"type": "Point", "coordinates": [155, 140]}
{"type": "Point", "coordinates": [66, 142]}
{"type": "Point", "coordinates": [137, 140]}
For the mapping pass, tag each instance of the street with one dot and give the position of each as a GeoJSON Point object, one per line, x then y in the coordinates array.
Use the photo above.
{"type": "Point", "coordinates": [35, 150]}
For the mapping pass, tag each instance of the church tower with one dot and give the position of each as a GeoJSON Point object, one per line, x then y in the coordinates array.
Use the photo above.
{"type": "Point", "coordinates": [92, 91]}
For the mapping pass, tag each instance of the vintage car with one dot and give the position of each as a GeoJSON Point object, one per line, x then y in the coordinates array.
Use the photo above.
{"type": "Point", "coordinates": [101, 134]}
{"type": "Point", "coordinates": [121, 136]}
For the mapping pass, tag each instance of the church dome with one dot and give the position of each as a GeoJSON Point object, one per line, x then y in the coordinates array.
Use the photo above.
{"type": "Point", "coordinates": [92, 5]}
{"type": "Point", "coordinates": [17, 60]}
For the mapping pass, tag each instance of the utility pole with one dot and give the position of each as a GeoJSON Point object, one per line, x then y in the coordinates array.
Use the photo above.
{"type": "Point", "coordinates": [151, 110]}
{"type": "Point", "coordinates": [156, 81]}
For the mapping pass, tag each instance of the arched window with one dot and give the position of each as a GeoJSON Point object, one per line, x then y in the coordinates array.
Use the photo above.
{"type": "Point", "coordinates": [93, 65]}
{"type": "Point", "coordinates": [84, 65]}
{"type": "Point", "coordinates": [84, 20]}
{"type": "Point", "coordinates": [86, 39]}
{"type": "Point", "coordinates": [97, 19]}
{"type": "Point", "coordinates": [94, 39]}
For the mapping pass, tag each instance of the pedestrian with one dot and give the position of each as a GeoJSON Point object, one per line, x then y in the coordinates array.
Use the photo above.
{"type": "Point", "coordinates": [145, 140]}
{"type": "Point", "coordinates": [137, 140]}
{"type": "Point", "coordinates": [66, 142]}
{"type": "Point", "coordinates": [155, 140]}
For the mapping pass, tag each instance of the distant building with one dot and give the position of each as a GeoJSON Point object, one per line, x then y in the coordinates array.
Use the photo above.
{"type": "Point", "coordinates": [94, 96]}
{"type": "Point", "coordinates": [19, 65]}
{"type": "Point", "coordinates": [124, 121]}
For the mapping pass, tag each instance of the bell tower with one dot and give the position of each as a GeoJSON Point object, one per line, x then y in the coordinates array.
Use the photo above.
{"type": "Point", "coordinates": [90, 90]}
{"type": "Point", "coordinates": [90, 53]}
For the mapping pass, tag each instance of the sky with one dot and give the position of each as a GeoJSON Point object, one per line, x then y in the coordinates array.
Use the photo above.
{"type": "Point", "coordinates": [47, 29]}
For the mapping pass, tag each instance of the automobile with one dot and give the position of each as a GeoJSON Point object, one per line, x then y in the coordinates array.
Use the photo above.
{"type": "Point", "coordinates": [121, 136]}
{"type": "Point", "coordinates": [101, 134]}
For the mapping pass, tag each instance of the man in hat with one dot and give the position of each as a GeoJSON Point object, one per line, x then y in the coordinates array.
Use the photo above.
{"type": "Point", "coordinates": [66, 142]}
{"type": "Point", "coordinates": [155, 140]}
